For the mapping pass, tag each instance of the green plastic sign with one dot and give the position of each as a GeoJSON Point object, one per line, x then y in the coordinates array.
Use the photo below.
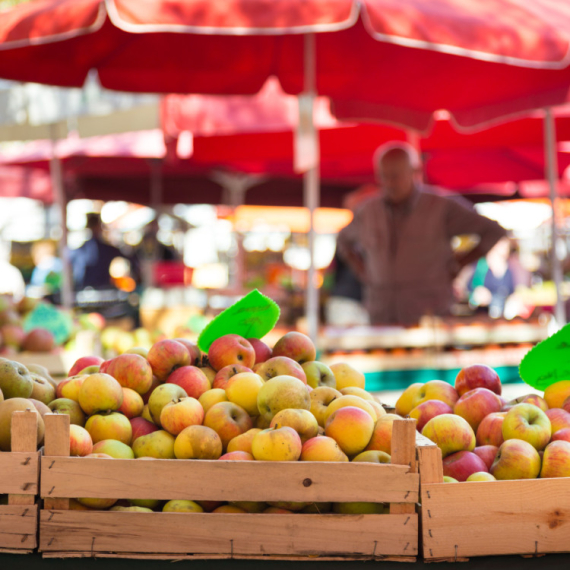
{"type": "Point", "coordinates": [251, 317]}
{"type": "Point", "coordinates": [548, 362]}
{"type": "Point", "coordinates": [48, 317]}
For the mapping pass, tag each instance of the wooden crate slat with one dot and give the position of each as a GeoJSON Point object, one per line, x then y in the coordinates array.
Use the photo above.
{"type": "Point", "coordinates": [230, 534]}
{"type": "Point", "coordinates": [265, 557]}
{"type": "Point", "coordinates": [493, 518]}
{"type": "Point", "coordinates": [18, 527]}
{"type": "Point", "coordinates": [19, 473]}
{"type": "Point", "coordinates": [73, 477]}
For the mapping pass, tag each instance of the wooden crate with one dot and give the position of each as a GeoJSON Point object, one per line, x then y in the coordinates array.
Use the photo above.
{"type": "Point", "coordinates": [72, 533]}
{"type": "Point", "coordinates": [489, 518]}
{"type": "Point", "coordinates": [19, 480]}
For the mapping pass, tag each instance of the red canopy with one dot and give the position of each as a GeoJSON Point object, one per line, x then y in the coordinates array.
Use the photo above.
{"type": "Point", "coordinates": [394, 59]}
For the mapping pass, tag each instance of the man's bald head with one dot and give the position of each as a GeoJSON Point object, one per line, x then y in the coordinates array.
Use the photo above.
{"type": "Point", "coordinates": [397, 167]}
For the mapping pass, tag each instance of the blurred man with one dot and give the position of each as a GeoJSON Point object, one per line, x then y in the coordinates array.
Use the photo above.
{"type": "Point", "coordinates": [399, 242]}
{"type": "Point", "coordinates": [91, 261]}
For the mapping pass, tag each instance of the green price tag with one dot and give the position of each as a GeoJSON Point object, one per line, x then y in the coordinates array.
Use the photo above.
{"type": "Point", "coordinates": [48, 317]}
{"type": "Point", "coordinates": [251, 317]}
{"type": "Point", "coordinates": [548, 362]}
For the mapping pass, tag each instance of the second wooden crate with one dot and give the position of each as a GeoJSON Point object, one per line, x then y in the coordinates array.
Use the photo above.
{"type": "Point", "coordinates": [461, 520]}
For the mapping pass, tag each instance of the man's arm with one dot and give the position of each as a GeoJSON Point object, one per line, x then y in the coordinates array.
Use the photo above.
{"type": "Point", "coordinates": [348, 247]}
{"type": "Point", "coordinates": [464, 220]}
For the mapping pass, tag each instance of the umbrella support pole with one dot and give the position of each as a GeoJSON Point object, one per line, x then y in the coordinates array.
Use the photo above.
{"type": "Point", "coordinates": [552, 177]}
{"type": "Point", "coordinates": [59, 195]}
{"type": "Point", "coordinates": [311, 185]}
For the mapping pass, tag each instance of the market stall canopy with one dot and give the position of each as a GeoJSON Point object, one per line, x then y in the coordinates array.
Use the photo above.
{"type": "Point", "coordinates": [372, 56]}
{"type": "Point", "coordinates": [23, 182]}
{"type": "Point", "coordinates": [254, 133]}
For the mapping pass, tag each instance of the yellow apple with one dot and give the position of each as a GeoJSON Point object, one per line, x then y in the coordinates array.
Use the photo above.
{"type": "Point", "coordinates": [110, 426]}
{"type": "Point", "coordinates": [372, 456]}
{"type": "Point", "coordinates": [351, 428]}
{"type": "Point", "coordinates": [242, 389]}
{"type": "Point", "coordinates": [355, 391]}
{"type": "Point", "coordinates": [243, 441]}
{"type": "Point", "coordinates": [212, 397]}
{"type": "Point", "coordinates": [158, 444]}
{"type": "Point", "coordinates": [354, 401]}
{"type": "Point", "coordinates": [322, 448]}
{"type": "Point", "coordinates": [197, 442]}
{"type": "Point", "coordinates": [418, 393]}
{"type": "Point", "coordinates": [302, 421]}
{"type": "Point", "coordinates": [556, 393]}
{"type": "Point", "coordinates": [182, 506]}
{"type": "Point", "coordinates": [280, 393]}
{"type": "Point", "coordinates": [320, 399]}
{"type": "Point", "coordinates": [277, 444]}
{"type": "Point", "coordinates": [345, 376]}
{"type": "Point", "coordinates": [480, 476]}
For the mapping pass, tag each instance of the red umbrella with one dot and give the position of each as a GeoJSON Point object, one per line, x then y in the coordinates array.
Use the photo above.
{"type": "Point", "coordinates": [398, 59]}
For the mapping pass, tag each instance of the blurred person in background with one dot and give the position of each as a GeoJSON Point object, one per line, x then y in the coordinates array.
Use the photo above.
{"type": "Point", "coordinates": [495, 280]}
{"type": "Point", "coordinates": [150, 251]}
{"type": "Point", "coordinates": [91, 262]}
{"type": "Point", "coordinates": [11, 280]}
{"type": "Point", "coordinates": [399, 242]}
{"type": "Point", "coordinates": [46, 276]}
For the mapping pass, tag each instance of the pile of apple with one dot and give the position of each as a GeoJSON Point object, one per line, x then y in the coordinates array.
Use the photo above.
{"type": "Point", "coordinates": [484, 438]}
{"type": "Point", "coordinates": [13, 338]}
{"type": "Point", "coordinates": [242, 401]}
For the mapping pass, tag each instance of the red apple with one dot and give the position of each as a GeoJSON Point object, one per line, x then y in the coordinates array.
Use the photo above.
{"type": "Point", "coordinates": [487, 453]}
{"type": "Point", "coordinates": [181, 413]}
{"type": "Point", "coordinates": [490, 430]}
{"type": "Point", "coordinates": [281, 366]}
{"type": "Point", "coordinates": [131, 371]}
{"type": "Point", "coordinates": [231, 349]}
{"type": "Point", "coordinates": [80, 442]}
{"type": "Point", "coordinates": [141, 426]}
{"type": "Point", "coordinates": [297, 346]}
{"type": "Point", "coordinates": [39, 340]}
{"type": "Point", "coordinates": [561, 435]}
{"type": "Point", "coordinates": [476, 404]}
{"type": "Point", "coordinates": [13, 335]}
{"type": "Point", "coordinates": [533, 399]}
{"type": "Point", "coordinates": [165, 356]}
{"type": "Point", "coordinates": [222, 377]}
{"type": "Point", "coordinates": [461, 464]}
{"type": "Point", "coordinates": [428, 410]}
{"type": "Point", "coordinates": [236, 456]}
{"type": "Point", "coordinates": [477, 376]}
{"type": "Point", "coordinates": [132, 405]}
{"type": "Point", "coordinates": [556, 460]}
{"type": "Point", "coordinates": [559, 419]}
{"type": "Point", "coordinates": [193, 351]}
{"type": "Point", "coordinates": [192, 379]}
{"type": "Point", "coordinates": [262, 351]}
{"type": "Point", "coordinates": [84, 362]}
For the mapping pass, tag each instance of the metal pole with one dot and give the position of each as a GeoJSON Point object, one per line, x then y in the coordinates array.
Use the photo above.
{"type": "Point", "coordinates": [552, 176]}
{"type": "Point", "coordinates": [311, 192]}
{"type": "Point", "coordinates": [61, 202]}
